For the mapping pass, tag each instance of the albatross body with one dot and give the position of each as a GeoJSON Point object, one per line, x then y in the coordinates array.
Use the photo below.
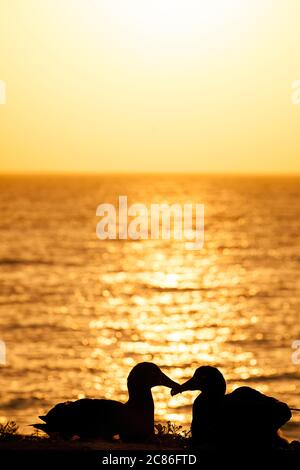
{"type": "Point", "coordinates": [91, 418]}
{"type": "Point", "coordinates": [244, 417]}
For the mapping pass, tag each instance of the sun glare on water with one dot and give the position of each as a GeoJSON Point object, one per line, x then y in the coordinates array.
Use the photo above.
{"type": "Point", "coordinates": [176, 21]}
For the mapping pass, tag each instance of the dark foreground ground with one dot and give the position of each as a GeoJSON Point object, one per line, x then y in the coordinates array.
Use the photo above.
{"type": "Point", "coordinates": [169, 448]}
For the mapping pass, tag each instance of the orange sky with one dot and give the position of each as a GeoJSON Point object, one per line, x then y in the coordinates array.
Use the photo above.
{"type": "Point", "coordinates": [133, 85]}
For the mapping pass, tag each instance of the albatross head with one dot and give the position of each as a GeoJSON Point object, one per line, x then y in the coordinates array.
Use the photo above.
{"type": "Point", "coordinates": [207, 379]}
{"type": "Point", "coordinates": [148, 375]}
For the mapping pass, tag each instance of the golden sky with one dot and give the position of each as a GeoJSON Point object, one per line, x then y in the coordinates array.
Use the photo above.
{"type": "Point", "coordinates": [140, 85]}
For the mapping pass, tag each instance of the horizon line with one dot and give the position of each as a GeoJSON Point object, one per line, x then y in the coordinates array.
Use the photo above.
{"type": "Point", "coordinates": [146, 173]}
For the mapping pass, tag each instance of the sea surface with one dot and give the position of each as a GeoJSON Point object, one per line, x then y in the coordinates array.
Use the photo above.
{"type": "Point", "coordinates": [77, 313]}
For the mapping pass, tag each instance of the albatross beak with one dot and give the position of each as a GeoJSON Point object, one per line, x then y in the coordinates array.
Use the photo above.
{"type": "Point", "coordinates": [189, 385]}
{"type": "Point", "coordinates": [166, 382]}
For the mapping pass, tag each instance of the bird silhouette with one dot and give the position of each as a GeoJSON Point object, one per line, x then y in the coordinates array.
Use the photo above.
{"type": "Point", "coordinates": [91, 418]}
{"type": "Point", "coordinates": [244, 417]}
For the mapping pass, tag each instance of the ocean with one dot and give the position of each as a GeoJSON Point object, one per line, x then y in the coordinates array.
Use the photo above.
{"type": "Point", "coordinates": [76, 313]}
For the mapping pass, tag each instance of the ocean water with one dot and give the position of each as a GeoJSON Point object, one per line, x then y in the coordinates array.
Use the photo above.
{"type": "Point", "coordinates": [77, 313]}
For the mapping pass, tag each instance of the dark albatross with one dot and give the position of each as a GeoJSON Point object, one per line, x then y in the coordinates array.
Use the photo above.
{"type": "Point", "coordinates": [243, 418]}
{"type": "Point", "coordinates": [90, 418]}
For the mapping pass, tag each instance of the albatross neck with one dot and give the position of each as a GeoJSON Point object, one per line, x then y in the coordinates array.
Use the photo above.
{"type": "Point", "coordinates": [140, 395]}
{"type": "Point", "coordinates": [216, 392]}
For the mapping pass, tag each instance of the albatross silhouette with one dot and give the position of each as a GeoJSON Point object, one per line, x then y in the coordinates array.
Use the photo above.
{"type": "Point", "coordinates": [244, 417]}
{"type": "Point", "coordinates": [91, 418]}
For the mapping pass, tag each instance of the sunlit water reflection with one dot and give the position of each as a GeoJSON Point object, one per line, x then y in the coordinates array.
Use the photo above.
{"type": "Point", "coordinates": [77, 313]}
